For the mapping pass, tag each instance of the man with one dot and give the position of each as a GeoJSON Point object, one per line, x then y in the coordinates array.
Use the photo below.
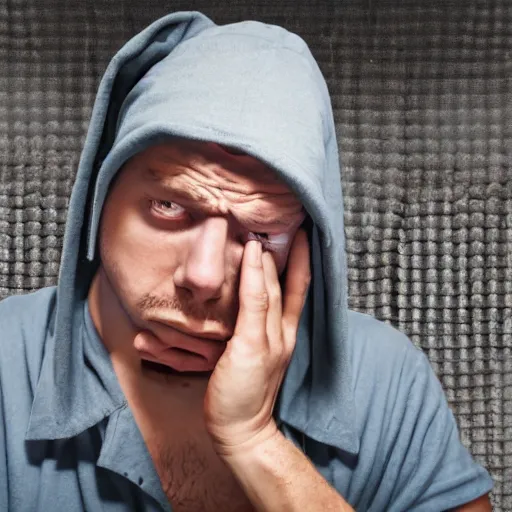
{"type": "Point", "coordinates": [198, 353]}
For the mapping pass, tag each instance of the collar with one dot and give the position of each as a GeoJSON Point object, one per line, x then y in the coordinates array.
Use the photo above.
{"type": "Point", "coordinates": [68, 401]}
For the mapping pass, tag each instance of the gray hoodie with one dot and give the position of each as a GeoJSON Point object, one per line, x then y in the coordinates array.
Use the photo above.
{"type": "Point", "coordinates": [358, 397]}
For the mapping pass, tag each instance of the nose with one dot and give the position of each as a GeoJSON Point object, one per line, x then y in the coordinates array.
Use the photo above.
{"type": "Point", "coordinates": [203, 270]}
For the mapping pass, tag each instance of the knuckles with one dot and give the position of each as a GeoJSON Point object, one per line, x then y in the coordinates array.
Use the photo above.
{"type": "Point", "coordinates": [274, 294]}
{"type": "Point", "coordinates": [256, 301]}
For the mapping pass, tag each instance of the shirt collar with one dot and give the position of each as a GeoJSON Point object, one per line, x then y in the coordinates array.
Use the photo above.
{"type": "Point", "coordinates": [124, 451]}
{"type": "Point", "coordinates": [68, 402]}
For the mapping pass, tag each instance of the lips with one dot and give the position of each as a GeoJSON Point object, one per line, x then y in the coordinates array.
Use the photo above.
{"type": "Point", "coordinates": [181, 351]}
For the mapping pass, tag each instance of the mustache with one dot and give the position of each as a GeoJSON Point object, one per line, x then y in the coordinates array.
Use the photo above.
{"type": "Point", "coordinates": [224, 314]}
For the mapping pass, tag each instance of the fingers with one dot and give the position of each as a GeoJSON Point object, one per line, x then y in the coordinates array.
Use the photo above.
{"type": "Point", "coordinates": [261, 320]}
{"type": "Point", "coordinates": [298, 277]}
{"type": "Point", "coordinates": [274, 313]}
{"type": "Point", "coordinates": [251, 324]}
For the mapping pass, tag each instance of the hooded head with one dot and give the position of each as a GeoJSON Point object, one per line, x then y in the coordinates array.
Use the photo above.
{"type": "Point", "coordinates": [172, 234]}
{"type": "Point", "coordinates": [250, 98]}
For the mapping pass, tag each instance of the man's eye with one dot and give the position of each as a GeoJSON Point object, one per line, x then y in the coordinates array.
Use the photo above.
{"type": "Point", "coordinates": [258, 236]}
{"type": "Point", "coordinates": [167, 208]}
{"type": "Point", "coordinates": [269, 241]}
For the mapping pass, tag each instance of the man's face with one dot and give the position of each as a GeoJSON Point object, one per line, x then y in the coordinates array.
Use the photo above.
{"type": "Point", "coordinates": [172, 236]}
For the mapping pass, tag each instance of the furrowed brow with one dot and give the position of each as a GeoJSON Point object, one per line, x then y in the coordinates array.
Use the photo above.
{"type": "Point", "coordinates": [187, 195]}
{"type": "Point", "coordinates": [194, 195]}
{"type": "Point", "coordinates": [281, 222]}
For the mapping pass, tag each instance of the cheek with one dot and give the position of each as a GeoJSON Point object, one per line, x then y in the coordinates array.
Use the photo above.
{"type": "Point", "coordinates": [137, 256]}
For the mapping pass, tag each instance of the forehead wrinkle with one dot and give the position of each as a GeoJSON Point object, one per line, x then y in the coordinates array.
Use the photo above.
{"type": "Point", "coordinates": [168, 183]}
{"type": "Point", "coordinates": [213, 162]}
{"type": "Point", "coordinates": [238, 177]}
{"type": "Point", "coordinates": [200, 167]}
{"type": "Point", "coordinates": [217, 190]}
{"type": "Point", "coordinates": [250, 182]}
{"type": "Point", "coordinates": [186, 177]}
{"type": "Point", "coordinates": [270, 216]}
{"type": "Point", "coordinates": [224, 177]}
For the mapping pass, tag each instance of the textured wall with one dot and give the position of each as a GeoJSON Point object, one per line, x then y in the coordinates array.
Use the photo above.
{"type": "Point", "coordinates": [422, 95]}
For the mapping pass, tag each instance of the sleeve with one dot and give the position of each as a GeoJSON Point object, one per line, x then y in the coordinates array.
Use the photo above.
{"type": "Point", "coordinates": [433, 469]}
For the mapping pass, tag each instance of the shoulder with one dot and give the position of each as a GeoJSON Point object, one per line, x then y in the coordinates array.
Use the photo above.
{"type": "Point", "coordinates": [23, 302]}
{"type": "Point", "coordinates": [379, 334]}
{"type": "Point", "coordinates": [408, 433]}
{"type": "Point", "coordinates": [29, 312]}
{"type": "Point", "coordinates": [17, 311]}
{"type": "Point", "coordinates": [379, 350]}
{"type": "Point", "coordinates": [26, 321]}
{"type": "Point", "coordinates": [390, 374]}
{"type": "Point", "coordinates": [393, 383]}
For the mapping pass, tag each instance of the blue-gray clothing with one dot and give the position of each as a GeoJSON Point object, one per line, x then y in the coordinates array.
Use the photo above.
{"type": "Point", "coordinates": [358, 397]}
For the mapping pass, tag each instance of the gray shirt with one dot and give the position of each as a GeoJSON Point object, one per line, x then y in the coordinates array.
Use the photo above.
{"type": "Point", "coordinates": [409, 457]}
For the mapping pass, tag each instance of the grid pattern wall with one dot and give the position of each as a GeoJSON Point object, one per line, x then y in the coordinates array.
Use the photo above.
{"type": "Point", "coordinates": [422, 96]}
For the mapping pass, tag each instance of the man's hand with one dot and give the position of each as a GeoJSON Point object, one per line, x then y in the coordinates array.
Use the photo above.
{"type": "Point", "coordinates": [274, 474]}
{"type": "Point", "coordinates": [243, 388]}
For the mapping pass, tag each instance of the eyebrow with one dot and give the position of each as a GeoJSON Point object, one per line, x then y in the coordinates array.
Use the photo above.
{"type": "Point", "coordinates": [195, 195]}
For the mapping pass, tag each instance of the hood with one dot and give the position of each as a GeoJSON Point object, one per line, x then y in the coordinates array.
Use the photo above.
{"type": "Point", "coordinates": [255, 87]}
